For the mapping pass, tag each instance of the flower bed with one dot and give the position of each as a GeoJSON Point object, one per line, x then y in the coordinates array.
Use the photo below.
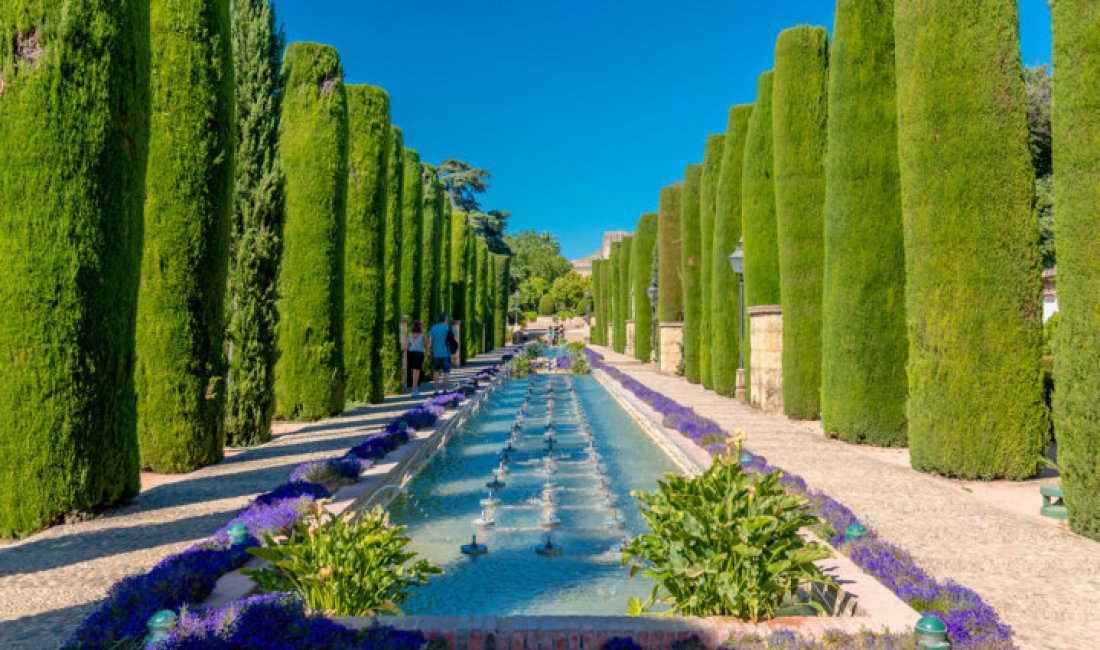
{"type": "Point", "coordinates": [270, 621]}
{"type": "Point", "coordinates": [971, 622]}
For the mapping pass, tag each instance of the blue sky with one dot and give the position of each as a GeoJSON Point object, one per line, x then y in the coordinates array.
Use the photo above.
{"type": "Point", "coordinates": [581, 109]}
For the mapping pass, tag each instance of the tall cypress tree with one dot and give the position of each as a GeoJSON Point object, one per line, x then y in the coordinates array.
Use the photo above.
{"type": "Point", "coordinates": [364, 255]}
{"type": "Point", "coordinates": [180, 370]}
{"type": "Point", "coordinates": [430, 249]}
{"type": "Point", "coordinates": [641, 272]}
{"type": "Point", "coordinates": [691, 270]}
{"type": "Point", "coordinates": [758, 214]}
{"type": "Point", "coordinates": [255, 242]}
{"type": "Point", "coordinates": [973, 290]}
{"type": "Point", "coordinates": [74, 133]}
{"type": "Point", "coordinates": [670, 291]}
{"type": "Point", "coordinates": [443, 263]}
{"type": "Point", "coordinates": [708, 193]}
{"type": "Point", "coordinates": [626, 285]}
{"type": "Point", "coordinates": [313, 148]}
{"type": "Point", "coordinates": [484, 285]}
{"type": "Point", "coordinates": [500, 282]}
{"type": "Point", "coordinates": [864, 345]}
{"type": "Point", "coordinates": [459, 233]}
{"type": "Point", "coordinates": [1076, 123]}
{"type": "Point", "coordinates": [605, 287]}
{"type": "Point", "coordinates": [391, 264]}
{"type": "Point", "coordinates": [470, 338]}
{"type": "Point", "coordinates": [798, 121]}
{"type": "Point", "coordinates": [599, 326]}
{"type": "Point", "coordinates": [412, 226]}
{"type": "Point", "coordinates": [724, 298]}
{"type": "Point", "coordinates": [618, 329]}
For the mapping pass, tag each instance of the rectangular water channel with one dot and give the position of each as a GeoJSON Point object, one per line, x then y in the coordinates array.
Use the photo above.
{"type": "Point", "coordinates": [441, 504]}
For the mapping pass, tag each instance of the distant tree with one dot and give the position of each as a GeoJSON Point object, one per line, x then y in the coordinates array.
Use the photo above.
{"type": "Point", "coordinates": [1037, 80]}
{"type": "Point", "coordinates": [546, 305]}
{"type": "Point", "coordinates": [568, 291]}
{"type": "Point", "coordinates": [536, 254]}
{"type": "Point", "coordinates": [531, 290]}
{"type": "Point", "coordinates": [490, 226]}
{"type": "Point", "coordinates": [463, 182]}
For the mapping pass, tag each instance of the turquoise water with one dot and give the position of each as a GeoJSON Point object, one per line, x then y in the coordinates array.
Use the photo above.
{"type": "Point", "coordinates": [441, 505]}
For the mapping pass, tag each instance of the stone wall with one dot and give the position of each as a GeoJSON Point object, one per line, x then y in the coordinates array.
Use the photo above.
{"type": "Point", "coordinates": [766, 367]}
{"type": "Point", "coordinates": [629, 351]}
{"type": "Point", "coordinates": [672, 335]}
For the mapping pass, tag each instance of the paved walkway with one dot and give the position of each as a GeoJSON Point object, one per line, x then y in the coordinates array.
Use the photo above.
{"type": "Point", "coordinates": [49, 582]}
{"type": "Point", "coordinates": [1044, 580]}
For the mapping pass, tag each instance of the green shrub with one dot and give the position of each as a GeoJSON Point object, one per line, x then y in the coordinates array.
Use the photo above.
{"type": "Point", "coordinates": [641, 270]}
{"type": "Point", "coordinates": [344, 566]}
{"type": "Point", "coordinates": [626, 304]}
{"type": "Point", "coordinates": [798, 121]}
{"type": "Point", "coordinates": [670, 291]}
{"type": "Point", "coordinates": [69, 302]}
{"type": "Point", "coordinates": [724, 544]}
{"type": "Point", "coordinates": [530, 315]}
{"type": "Point", "coordinates": [181, 365]}
{"type": "Point", "coordinates": [691, 270]}
{"type": "Point", "coordinates": [391, 264]}
{"type": "Point", "coordinates": [412, 226]}
{"type": "Point", "coordinates": [309, 377]}
{"type": "Point", "coordinates": [521, 366]}
{"type": "Point", "coordinates": [708, 194]}
{"type": "Point", "coordinates": [758, 214]}
{"type": "Point", "coordinates": [864, 343]}
{"type": "Point", "coordinates": [364, 293]}
{"type": "Point", "coordinates": [1077, 169]}
{"type": "Point", "coordinates": [255, 240]}
{"type": "Point", "coordinates": [724, 304]}
{"type": "Point", "coordinates": [973, 288]}
{"type": "Point", "coordinates": [580, 366]}
{"type": "Point", "coordinates": [546, 305]}
{"type": "Point", "coordinates": [575, 348]}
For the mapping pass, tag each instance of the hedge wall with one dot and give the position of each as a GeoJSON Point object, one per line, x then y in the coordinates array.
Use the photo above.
{"type": "Point", "coordinates": [976, 406]}
{"type": "Point", "coordinates": [443, 264]}
{"type": "Point", "coordinates": [670, 290]}
{"type": "Point", "coordinates": [364, 307]}
{"type": "Point", "coordinates": [724, 298]}
{"type": "Point", "coordinates": [309, 377]}
{"type": "Point", "coordinates": [1077, 346]}
{"type": "Point", "coordinates": [484, 285]}
{"type": "Point", "coordinates": [605, 299]}
{"type": "Point", "coordinates": [864, 344]}
{"type": "Point", "coordinates": [626, 304]}
{"type": "Point", "coordinates": [180, 370]}
{"type": "Point", "coordinates": [412, 227]}
{"type": "Point", "coordinates": [708, 194]}
{"type": "Point", "coordinates": [500, 314]}
{"type": "Point", "coordinates": [691, 270]}
{"type": "Point", "coordinates": [470, 304]}
{"type": "Point", "coordinates": [69, 303]}
{"type": "Point", "coordinates": [391, 264]}
{"type": "Point", "coordinates": [457, 263]}
{"type": "Point", "coordinates": [618, 329]}
{"type": "Point", "coordinates": [430, 246]}
{"type": "Point", "coordinates": [641, 272]}
{"type": "Point", "coordinates": [597, 301]}
{"type": "Point", "coordinates": [758, 227]}
{"type": "Point", "coordinates": [255, 236]}
{"type": "Point", "coordinates": [798, 122]}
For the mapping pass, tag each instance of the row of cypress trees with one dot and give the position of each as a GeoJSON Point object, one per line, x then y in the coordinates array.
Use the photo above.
{"type": "Point", "coordinates": [910, 290]}
{"type": "Point", "coordinates": [184, 261]}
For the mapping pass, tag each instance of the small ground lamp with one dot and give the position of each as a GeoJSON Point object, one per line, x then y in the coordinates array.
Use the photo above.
{"type": "Point", "coordinates": [652, 292]}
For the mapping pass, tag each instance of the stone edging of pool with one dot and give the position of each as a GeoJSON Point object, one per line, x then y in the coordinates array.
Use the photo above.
{"type": "Point", "coordinates": [376, 486]}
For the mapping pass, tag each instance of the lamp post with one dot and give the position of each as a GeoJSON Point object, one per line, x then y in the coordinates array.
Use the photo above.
{"type": "Point", "coordinates": [737, 263]}
{"type": "Point", "coordinates": [652, 293]}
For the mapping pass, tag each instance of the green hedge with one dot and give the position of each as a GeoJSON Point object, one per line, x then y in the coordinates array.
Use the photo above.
{"type": "Point", "coordinates": [546, 305]}
{"type": "Point", "coordinates": [618, 329]}
{"type": "Point", "coordinates": [470, 323]}
{"type": "Point", "coordinates": [670, 290]}
{"type": "Point", "coordinates": [724, 295]}
{"type": "Point", "coordinates": [412, 226]}
{"type": "Point", "coordinates": [484, 280]}
{"type": "Point", "coordinates": [457, 263]}
{"type": "Point", "coordinates": [798, 122]}
{"type": "Point", "coordinates": [364, 307]}
{"type": "Point", "coordinates": [500, 314]}
{"type": "Point", "coordinates": [691, 270]}
{"type": "Point", "coordinates": [430, 245]}
{"type": "Point", "coordinates": [626, 304]}
{"type": "Point", "coordinates": [69, 303]}
{"type": "Point", "coordinates": [180, 371]}
{"type": "Point", "coordinates": [971, 245]}
{"type": "Point", "coordinates": [1077, 164]}
{"type": "Point", "coordinates": [864, 343]}
{"type": "Point", "coordinates": [255, 239]}
{"type": "Point", "coordinates": [641, 271]}
{"type": "Point", "coordinates": [708, 195]}
{"type": "Point", "coordinates": [443, 264]}
{"type": "Point", "coordinates": [391, 264]}
{"type": "Point", "coordinates": [758, 228]}
{"type": "Point", "coordinates": [597, 302]}
{"type": "Point", "coordinates": [309, 377]}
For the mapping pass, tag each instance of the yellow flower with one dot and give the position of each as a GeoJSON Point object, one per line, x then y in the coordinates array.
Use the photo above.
{"type": "Point", "coordinates": [324, 574]}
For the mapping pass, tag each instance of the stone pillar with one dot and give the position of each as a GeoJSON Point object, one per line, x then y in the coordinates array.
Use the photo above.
{"type": "Point", "coordinates": [766, 368]}
{"type": "Point", "coordinates": [629, 351]}
{"type": "Point", "coordinates": [403, 335]}
{"type": "Point", "coordinates": [456, 358]}
{"type": "Point", "coordinates": [671, 342]}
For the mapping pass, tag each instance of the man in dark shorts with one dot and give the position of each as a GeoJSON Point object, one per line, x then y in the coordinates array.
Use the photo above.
{"type": "Point", "coordinates": [441, 352]}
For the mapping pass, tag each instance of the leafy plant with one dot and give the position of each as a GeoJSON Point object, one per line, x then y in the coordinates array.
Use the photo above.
{"type": "Point", "coordinates": [575, 348]}
{"type": "Point", "coordinates": [534, 350]}
{"type": "Point", "coordinates": [724, 543]}
{"type": "Point", "coordinates": [580, 366]}
{"type": "Point", "coordinates": [521, 366]}
{"type": "Point", "coordinates": [345, 566]}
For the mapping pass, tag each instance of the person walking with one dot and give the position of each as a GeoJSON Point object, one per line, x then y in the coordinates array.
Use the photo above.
{"type": "Point", "coordinates": [443, 342]}
{"type": "Point", "coordinates": [414, 355]}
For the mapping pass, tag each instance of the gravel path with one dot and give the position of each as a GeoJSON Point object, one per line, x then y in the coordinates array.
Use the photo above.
{"type": "Point", "coordinates": [1044, 580]}
{"type": "Point", "coordinates": [49, 581]}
